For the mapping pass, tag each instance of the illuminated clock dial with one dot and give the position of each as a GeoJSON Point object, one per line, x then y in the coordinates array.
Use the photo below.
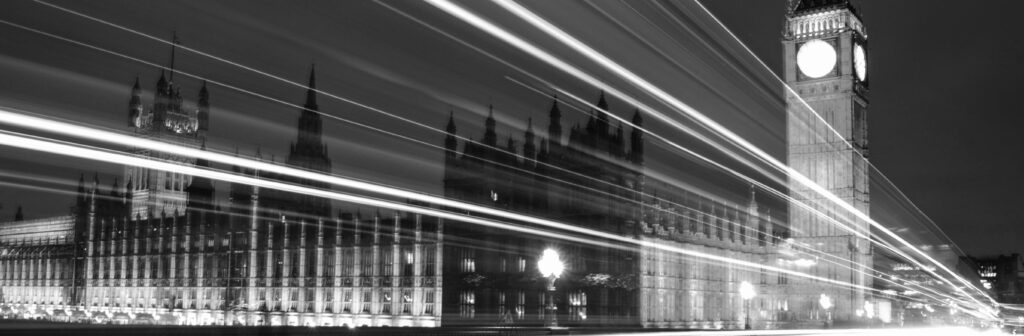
{"type": "Point", "coordinates": [816, 58]}
{"type": "Point", "coordinates": [860, 63]}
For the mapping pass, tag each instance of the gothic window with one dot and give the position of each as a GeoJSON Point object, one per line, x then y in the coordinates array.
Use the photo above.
{"type": "Point", "coordinates": [467, 299]}
{"type": "Point", "coordinates": [310, 300]}
{"type": "Point", "coordinates": [329, 300]}
{"type": "Point", "coordinates": [429, 260]}
{"type": "Point", "coordinates": [346, 301]}
{"type": "Point", "coordinates": [468, 261]}
{"type": "Point", "coordinates": [385, 301]}
{"type": "Point", "coordinates": [328, 263]}
{"type": "Point", "coordinates": [366, 262]}
{"type": "Point", "coordinates": [408, 259]}
{"type": "Point", "coordinates": [294, 267]}
{"type": "Point", "coordinates": [428, 302]}
{"type": "Point", "coordinates": [520, 309]}
{"type": "Point", "coordinates": [406, 301]}
{"type": "Point", "coordinates": [347, 262]}
{"type": "Point", "coordinates": [387, 261]}
{"type": "Point", "coordinates": [367, 300]}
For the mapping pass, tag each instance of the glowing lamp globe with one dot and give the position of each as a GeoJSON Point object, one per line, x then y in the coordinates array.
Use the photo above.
{"type": "Point", "coordinates": [747, 290]}
{"type": "Point", "coordinates": [549, 264]}
{"type": "Point", "coordinates": [816, 58]}
{"type": "Point", "coordinates": [825, 302]}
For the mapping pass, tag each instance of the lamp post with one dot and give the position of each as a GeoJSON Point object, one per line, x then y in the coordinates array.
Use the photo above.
{"type": "Point", "coordinates": [826, 304]}
{"type": "Point", "coordinates": [747, 293]}
{"type": "Point", "coordinates": [550, 267]}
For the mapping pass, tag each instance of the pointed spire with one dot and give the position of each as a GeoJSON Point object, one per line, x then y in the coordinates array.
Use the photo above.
{"type": "Point", "coordinates": [555, 121]}
{"type": "Point", "coordinates": [161, 83]}
{"type": "Point", "coordinates": [529, 149]}
{"type": "Point", "coordinates": [136, 88]}
{"type": "Point", "coordinates": [311, 91]}
{"type": "Point", "coordinates": [135, 103]}
{"type": "Point", "coordinates": [638, 120]}
{"type": "Point", "coordinates": [114, 188]}
{"type": "Point", "coordinates": [81, 184]}
{"type": "Point", "coordinates": [602, 103]}
{"type": "Point", "coordinates": [602, 116]}
{"type": "Point", "coordinates": [636, 139]}
{"type": "Point", "coordinates": [174, 45]}
{"type": "Point", "coordinates": [451, 143]}
{"type": "Point", "coordinates": [490, 137]}
{"type": "Point", "coordinates": [19, 216]}
{"type": "Point", "coordinates": [450, 128]}
{"type": "Point", "coordinates": [203, 112]}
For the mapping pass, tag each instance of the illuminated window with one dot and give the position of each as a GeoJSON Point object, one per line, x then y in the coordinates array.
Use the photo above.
{"type": "Point", "coordinates": [467, 299]}
{"type": "Point", "coordinates": [428, 302]}
{"type": "Point", "coordinates": [577, 306]}
{"type": "Point", "coordinates": [346, 303]}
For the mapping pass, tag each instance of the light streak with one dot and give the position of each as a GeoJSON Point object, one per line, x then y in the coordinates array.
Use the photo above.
{"type": "Point", "coordinates": [644, 107]}
{"type": "Point", "coordinates": [215, 82]}
{"type": "Point", "coordinates": [886, 179]}
{"type": "Point", "coordinates": [276, 77]}
{"type": "Point", "coordinates": [330, 95]}
{"type": "Point", "coordinates": [599, 58]}
{"type": "Point", "coordinates": [55, 147]}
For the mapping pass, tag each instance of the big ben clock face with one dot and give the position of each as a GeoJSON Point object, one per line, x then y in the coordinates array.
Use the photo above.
{"type": "Point", "coordinates": [860, 63]}
{"type": "Point", "coordinates": [816, 58]}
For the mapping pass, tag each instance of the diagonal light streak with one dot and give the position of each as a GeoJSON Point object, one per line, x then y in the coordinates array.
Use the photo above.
{"type": "Point", "coordinates": [595, 56]}
{"type": "Point", "coordinates": [850, 145]}
{"type": "Point", "coordinates": [56, 147]}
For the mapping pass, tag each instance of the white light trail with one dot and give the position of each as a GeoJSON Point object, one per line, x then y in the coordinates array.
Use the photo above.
{"type": "Point", "coordinates": [331, 95]}
{"type": "Point", "coordinates": [614, 67]}
{"type": "Point", "coordinates": [850, 145]}
{"type": "Point", "coordinates": [56, 147]}
{"type": "Point", "coordinates": [356, 103]}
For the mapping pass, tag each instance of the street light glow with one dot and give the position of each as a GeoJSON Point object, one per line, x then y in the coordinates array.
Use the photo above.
{"type": "Point", "coordinates": [549, 264]}
{"type": "Point", "coordinates": [825, 301]}
{"type": "Point", "coordinates": [747, 291]}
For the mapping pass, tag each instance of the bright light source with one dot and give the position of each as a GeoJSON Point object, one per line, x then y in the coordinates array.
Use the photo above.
{"type": "Point", "coordinates": [869, 309]}
{"type": "Point", "coordinates": [825, 302]}
{"type": "Point", "coordinates": [549, 264]}
{"type": "Point", "coordinates": [747, 291]}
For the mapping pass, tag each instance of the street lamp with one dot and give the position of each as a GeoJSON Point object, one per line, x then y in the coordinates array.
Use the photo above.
{"type": "Point", "coordinates": [747, 292]}
{"type": "Point", "coordinates": [826, 303]}
{"type": "Point", "coordinates": [550, 267]}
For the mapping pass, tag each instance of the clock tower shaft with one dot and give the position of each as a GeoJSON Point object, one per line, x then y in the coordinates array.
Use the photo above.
{"type": "Point", "coordinates": [827, 142]}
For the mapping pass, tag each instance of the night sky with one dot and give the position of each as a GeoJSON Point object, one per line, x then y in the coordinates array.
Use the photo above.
{"type": "Point", "coordinates": [944, 109]}
{"type": "Point", "coordinates": [942, 117]}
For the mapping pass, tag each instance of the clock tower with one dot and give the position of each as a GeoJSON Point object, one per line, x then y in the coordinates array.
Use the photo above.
{"type": "Point", "coordinates": [825, 54]}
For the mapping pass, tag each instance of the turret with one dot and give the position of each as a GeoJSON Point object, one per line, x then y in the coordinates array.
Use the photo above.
{"type": "Point", "coordinates": [451, 143]}
{"type": "Point", "coordinates": [310, 124]}
{"type": "Point", "coordinates": [529, 149]}
{"type": "Point", "coordinates": [602, 116]}
{"type": "Point", "coordinates": [555, 122]}
{"type": "Point", "coordinates": [636, 139]}
{"type": "Point", "coordinates": [490, 137]}
{"type": "Point", "coordinates": [161, 100]}
{"type": "Point", "coordinates": [135, 105]}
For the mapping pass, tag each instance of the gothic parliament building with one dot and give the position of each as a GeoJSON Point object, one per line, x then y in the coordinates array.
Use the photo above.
{"type": "Point", "coordinates": [162, 250]}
